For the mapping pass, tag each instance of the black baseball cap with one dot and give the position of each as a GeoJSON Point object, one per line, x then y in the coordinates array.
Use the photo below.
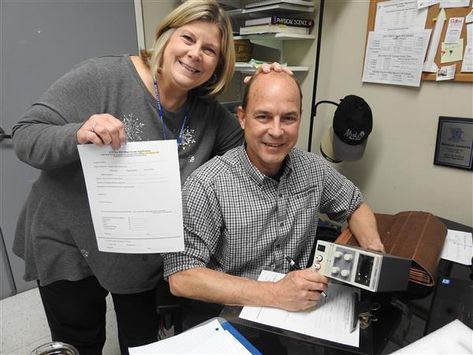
{"type": "Point", "coordinates": [351, 126]}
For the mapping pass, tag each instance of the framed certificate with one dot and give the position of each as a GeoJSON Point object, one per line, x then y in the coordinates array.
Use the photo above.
{"type": "Point", "coordinates": [454, 145]}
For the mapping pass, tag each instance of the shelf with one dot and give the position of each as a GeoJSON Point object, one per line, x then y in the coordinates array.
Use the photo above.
{"type": "Point", "coordinates": [276, 36]}
{"type": "Point", "coordinates": [275, 9]}
{"type": "Point", "coordinates": [243, 67]}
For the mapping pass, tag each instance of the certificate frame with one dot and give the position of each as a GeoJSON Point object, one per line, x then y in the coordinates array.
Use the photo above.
{"type": "Point", "coordinates": [454, 145]}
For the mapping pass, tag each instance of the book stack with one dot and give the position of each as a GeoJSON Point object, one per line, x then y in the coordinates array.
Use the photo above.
{"type": "Point", "coordinates": [297, 5]}
{"type": "Point", "coordinates": [277, 23]}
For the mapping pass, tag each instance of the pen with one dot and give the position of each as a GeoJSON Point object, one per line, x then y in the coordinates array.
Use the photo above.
{"type": "Point", "coordinates": [295, 266]}
{"type": "Point", "coordinates": [292, 264]}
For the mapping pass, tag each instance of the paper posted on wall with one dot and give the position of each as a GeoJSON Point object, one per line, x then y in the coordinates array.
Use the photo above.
{"type": "Point", "coordinates": [395, 57]}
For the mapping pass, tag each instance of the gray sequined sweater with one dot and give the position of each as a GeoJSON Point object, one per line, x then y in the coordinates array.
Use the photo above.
{"type": "Point", "coordinates": [55, 235]}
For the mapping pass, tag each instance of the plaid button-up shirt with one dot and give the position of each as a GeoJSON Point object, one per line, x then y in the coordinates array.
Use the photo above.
{"type": "Point", "coordinates": [239, 221]}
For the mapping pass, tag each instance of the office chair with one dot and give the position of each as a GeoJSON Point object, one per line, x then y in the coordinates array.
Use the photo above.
{"type": "Point", "coordinates": [169, 308]}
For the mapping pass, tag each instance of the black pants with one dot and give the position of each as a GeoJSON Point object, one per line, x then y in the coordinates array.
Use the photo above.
{"type": "Point", "coordinates": [76, 315]}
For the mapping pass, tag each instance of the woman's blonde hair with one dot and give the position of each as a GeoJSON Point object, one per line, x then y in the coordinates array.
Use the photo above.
{"type": "Point", "coordinates": [189, 11]}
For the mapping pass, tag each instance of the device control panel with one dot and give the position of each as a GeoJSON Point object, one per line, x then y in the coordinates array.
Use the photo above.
{"type": "Point", "coordinates": [362, 268]}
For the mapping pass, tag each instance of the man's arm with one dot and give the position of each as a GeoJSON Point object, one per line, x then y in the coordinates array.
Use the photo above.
{"type": "Point", "coordinates": [297, 291]}
{"type": "Point", "coordinates": [362, 223]}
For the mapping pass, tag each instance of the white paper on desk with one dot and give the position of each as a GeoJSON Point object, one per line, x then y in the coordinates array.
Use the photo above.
{"type": "Point", "coordinates": [209, 338]}
{"type": "Point", "coordinates": [458, 247]}
{"type": "Point", "coordinates": [453, 338]}
{"type": "Point", "coordinates": [399, 15]}
{"type": "Point", "coordinates": [395, 57]}
{"type": "Point", "coordinates": [330, 320]}
{"type": "Point", "coordinates": [135, 196]}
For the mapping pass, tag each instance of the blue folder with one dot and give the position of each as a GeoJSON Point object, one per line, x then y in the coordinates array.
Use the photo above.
{"type": "Point", "coordinates": [236, 334]}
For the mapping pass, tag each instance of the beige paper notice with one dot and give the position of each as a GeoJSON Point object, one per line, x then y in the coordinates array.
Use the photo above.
{"type": "Point", "coordinates": [451, 52]}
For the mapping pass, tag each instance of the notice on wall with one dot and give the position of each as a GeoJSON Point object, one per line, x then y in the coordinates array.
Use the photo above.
{"type": "Point", "coordinates": [395, 57]}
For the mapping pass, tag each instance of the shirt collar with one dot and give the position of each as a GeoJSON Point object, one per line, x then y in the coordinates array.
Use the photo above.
{"type": "Point", "coordinates": [257, 175]}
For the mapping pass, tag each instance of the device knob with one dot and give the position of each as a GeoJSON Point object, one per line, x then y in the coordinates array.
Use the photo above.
{"type": "Point", "coordinates": [345, 272]}
{"type": "Point", "coordinates": [319, 258]}
{"type": "Point", "coordinates": [348, 257]}
{"type": "Point", "coordinates": [335, 270]}
{"type": "Point", "coordinates": [338, 254]}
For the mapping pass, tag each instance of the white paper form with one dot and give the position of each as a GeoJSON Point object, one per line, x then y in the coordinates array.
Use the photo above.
{"type": "Point", "coordinates": [395, 57]}
{"type": "Point", "coordinates": [209, 338]}
{"type": "Point", "coordinates": [135, 196]}
{"type": "Point", "coordinates": [399, 15]}
{"type": "Point", "coordinates": [458, 247]}
{"type": "Point", "coordinates": [330, 320]}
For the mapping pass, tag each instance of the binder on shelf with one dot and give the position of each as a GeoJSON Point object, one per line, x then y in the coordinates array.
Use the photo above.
{"type": "Point", "coordinates": [273, 9]}
{"type": "Point", "coordinates": [273, 29]}
{"type": "Point", "coordinates": [272, 2]}
{"type": "Point", "coordinates": [280, 20]}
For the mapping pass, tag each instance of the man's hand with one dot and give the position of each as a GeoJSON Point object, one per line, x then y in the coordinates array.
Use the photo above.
{"type": "Point", "coordinates": [299, 290]}
{"type": "Point", "coordinates": [267, 68]}
{"type": "Point", "coordinates": [102, 129]}
{"type": "Point", "coordinates": [375, 245]}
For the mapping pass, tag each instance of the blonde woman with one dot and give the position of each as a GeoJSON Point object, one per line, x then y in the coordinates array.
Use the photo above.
{"type": "Point", "coordinates": [166, 92]}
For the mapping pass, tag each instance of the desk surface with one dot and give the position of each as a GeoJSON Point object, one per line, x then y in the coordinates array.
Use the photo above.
{"type": "Point", "coordinates": [404, 318]}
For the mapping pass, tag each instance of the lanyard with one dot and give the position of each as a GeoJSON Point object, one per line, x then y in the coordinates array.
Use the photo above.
{"type": "Point", "coordinates": [161, 116]}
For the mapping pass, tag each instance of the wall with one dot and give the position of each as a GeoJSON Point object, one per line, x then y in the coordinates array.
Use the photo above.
{"type": "Point", "coordinates": [396, 172]}
{"type": "Point", "coordinates": [153, 12]}
{"type": "Point", "coordinates": [39, 41]}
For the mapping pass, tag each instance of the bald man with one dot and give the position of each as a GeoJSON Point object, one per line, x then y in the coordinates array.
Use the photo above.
{"type": "Point", "coordinates": [247, 210]}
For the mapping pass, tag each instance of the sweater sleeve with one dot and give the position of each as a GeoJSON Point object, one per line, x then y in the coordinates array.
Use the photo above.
{"type": "Point", "coordinates": [45, 136]}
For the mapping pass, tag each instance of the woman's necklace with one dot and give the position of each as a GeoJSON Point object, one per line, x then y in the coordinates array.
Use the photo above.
{"type": "Point", "coordinates": [161, 115]}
